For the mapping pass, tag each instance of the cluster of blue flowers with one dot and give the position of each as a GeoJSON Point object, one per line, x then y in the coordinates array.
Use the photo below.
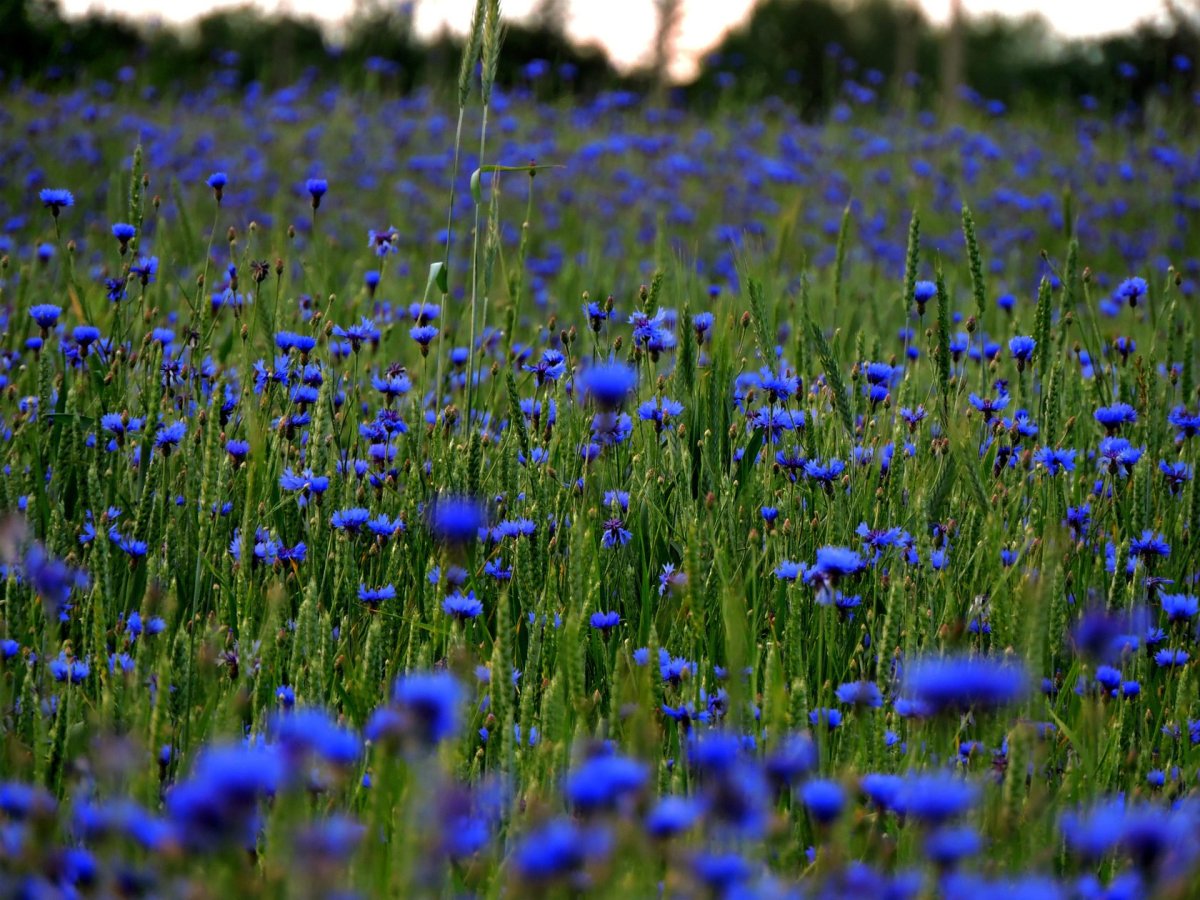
{"type": "Point", "coordinates": [760, 597]}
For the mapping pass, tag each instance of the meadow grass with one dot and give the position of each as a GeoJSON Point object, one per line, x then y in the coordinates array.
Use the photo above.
{"type": "Point", "coordinates": [630, 504]}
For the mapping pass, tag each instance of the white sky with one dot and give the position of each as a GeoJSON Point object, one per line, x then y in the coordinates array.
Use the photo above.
{"type": "Point", "coordinates": [626, 27]}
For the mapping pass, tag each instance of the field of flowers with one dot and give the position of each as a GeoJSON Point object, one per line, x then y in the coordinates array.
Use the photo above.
{"type": "Point", "coordinates": [479, 496]}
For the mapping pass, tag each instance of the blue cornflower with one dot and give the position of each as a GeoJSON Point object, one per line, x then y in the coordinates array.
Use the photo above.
{"type": "Point", "coordinates": [238, 450]}
{"type": "Point", "coordinates": [1021, 424]}
{"type": "Point", "coordinates": [317, 188]}
{"type": "Point", "coordinates": [615, 534]}
{"type": "Point", "coordinates": [776, 421]}
{"type": "Point", "coordinates": [834, 564]}
{"type": "Point", "coordinates": [1149, 545]}
{"type": "Point", "coordinates": [882, 789]}
{"type": "Point", "coordinates": [652, 331]}
{"type": "Point", "coordinates": [374, 596]}
{"type": "Point", "coordinates": [608, 384]}
{"type": "Point", "coordinates": [669, 579]}
{"type": "Point", "coordinates": [303, 483]}
{"type": "Point", "coordinates": [455, 520]}
{"type": "Point", "coordinates": [1055, 460]}
{"type": "Point", "coordinates": [127, 545]}
{"type": "Point", "coordinates": [660, 411]}
{"type": "Point", "coordinates": [423, 313]}
{"type": "Point", "coordinates": [955, 683]}
{"type": "Point", "coordinates": [787, 570]}
{"type": "Point", "coordinates": [313, 733]}
{"type": "Point", "coordinates": [46, 315]}
{"type": "Point", "coordinates": [1093, 833]}
{"type": "Point", "coordinates": [69, 669]}
{"type": "Point", "coordinates": [1116, 455]}
{"type": "Point", "coordinates": [702, 323]}
{"type": "Point", "coordinates": [1166, 659]}
{"type": "Point", "coordinates": [364, 332]}
{"type": "Point", "coordinates": [610, 429]}
{"type": "Point", "coordinates": [596, 315]}
{"type": "Point", "coordinates": [1079, 520]}
{"type": "Point", "coordinates": [1179, 607]}
{"type": "Point", "coordinates": [603, 782]}
{"type": "Point", "coordinates": [145, 269]}
{"type": "Point", "coordinates": [617, 498]}
{"type": "Point", "coordinates": [495, 568]}
{"type": "Point", "coordinates": [423, 335]}
{"type": "Point", "coordinates": [673, 669]}
{"type": "Point", "coordinates": [721, 873]}
{"type": "Point", "coordinates": [56, 199]}
{"type": "Point", "coordinates": [860, 693]}
{"type": "Point", "coordinates": [383, 242]}
{"type": "Point", "coordinates": [1131, 290]}
{"type": "Point", "coordinates": [913, 417]}
{"type": "Point", "coordinates": [795, 757]}
{"type": "Point", "coordinates": [935, 798]}
{"type": "Point", "coordinates": [823, 799]}
{"type": "Point", "coordinates": [923, 292]}
{"type": "Point", "coordinates": [880, 374]}
{"type": "Point", "coordinates": [550, 367]}
{"type": "Point", "coordinates": [556, 850]}
{"type": "Point", "coordinates": [988, 405]}
{"type": "Point", "coordinates": [878, 538]}
{"type": "Point", "coordinates": [1108, 677]}
{"type": "Point", "coordinates": [946, 847]}
{"type": "Point", "coordinates": [85, 336]}
{"type": "Point", "coordinates": [124, 233]}
{"type": "Point", "coordinates": [1113, 417]}
{"type": "Point", "coordinates": [1021, 348]}
{"type": "Point", "coordinates": [824, 472]}
{"type": "Point", "coordinates": [430, 701]}
{"type": "Point", "coordinates": [115, 289]}
{"type": "Point", "coordinates": [219, 803]}
{"type": "Point", "coordinates": [384, 528]}
{"type": "Point", "coordinates": [778, 387]}
{"type": "Point", "coordinates": [462, 606]}
{"type": "Point", "coordinates": [1187, 423]}
{"type": "Point", "coordinates": [1177, 474]}
{"type": "Point", "coordinates": [605, 621]}
{"type": "Point", "coordinates": [217, 181]}
{"type": "Point", "coordinates": [825, 716]}
{"type": "Point", "coordinates": [350, 520]}
{"type": "Point", "coordinates": [168, 437]}
{"type": "Point", "coordinates": [672, 815]}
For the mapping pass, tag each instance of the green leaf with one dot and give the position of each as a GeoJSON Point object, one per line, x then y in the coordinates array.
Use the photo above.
{"type": "Point", "coordinates": [438, 277]}
{"type": "Point", "coordinates": [747, 463]}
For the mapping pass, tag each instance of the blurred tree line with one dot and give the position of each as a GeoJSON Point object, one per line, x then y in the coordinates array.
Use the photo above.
{"type": "Point", "coordinates": [814, 54]}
